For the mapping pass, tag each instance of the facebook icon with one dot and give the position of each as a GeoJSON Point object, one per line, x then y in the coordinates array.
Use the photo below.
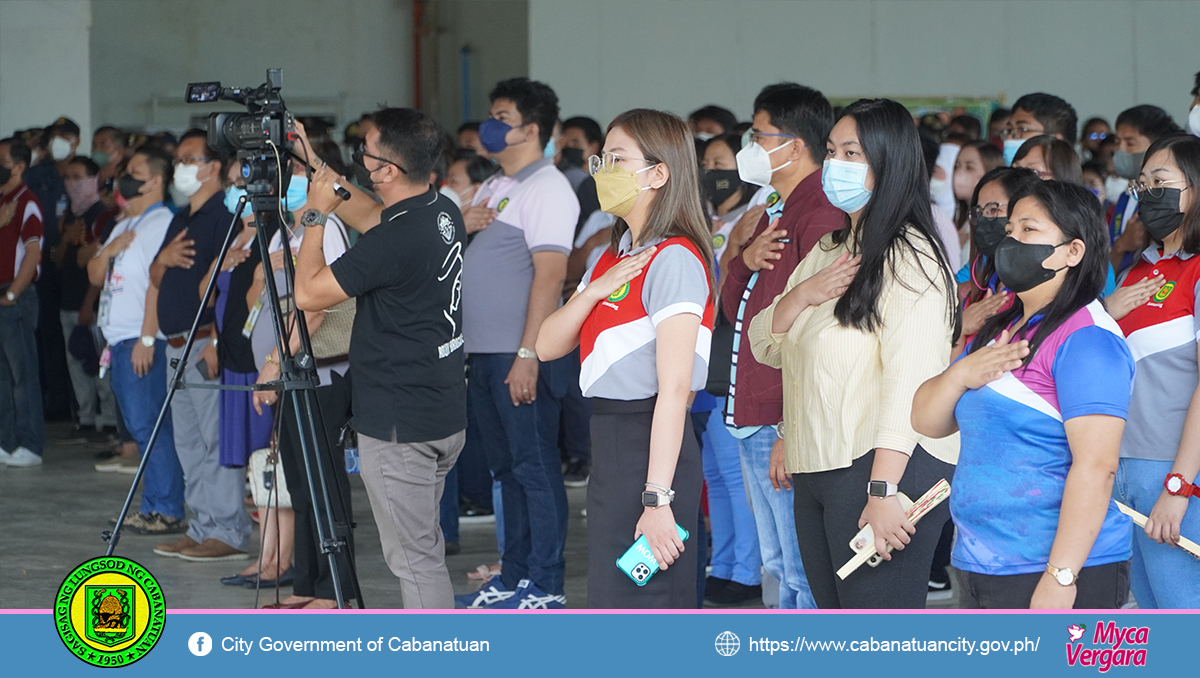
{"type": "Point", "coordinates": [200, 643]}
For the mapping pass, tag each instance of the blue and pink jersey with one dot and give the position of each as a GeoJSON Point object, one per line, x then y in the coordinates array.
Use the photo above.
{"type": "Point", "coordinates": [1012, 470]}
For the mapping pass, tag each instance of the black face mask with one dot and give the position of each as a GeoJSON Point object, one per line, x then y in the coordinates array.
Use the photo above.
{"type": "Point", "coordinates": [1019, 264]}
{"type": "Point", "coordinates": [718, 185]}
{"type": "Point", "coordinates": [1160, 215]}
{"type": "Point", "coordinates": [129, 187]}
{"type": "Point", "coordinates": [988, 233]}
{"type": "Point", "coordinates": [5, 175]}
{"type": "Point", "coordinates": [572, 157]}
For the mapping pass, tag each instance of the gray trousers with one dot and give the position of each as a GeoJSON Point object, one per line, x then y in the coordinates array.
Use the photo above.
{"type": "Point", "coordinates": [213, 492]}
{"type": "Point", "coordinates": [404, 483]}
{"type": "Point", "coordinates": [90, 391]}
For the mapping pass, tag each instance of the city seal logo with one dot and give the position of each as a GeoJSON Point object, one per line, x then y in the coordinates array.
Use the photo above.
{"type": "Point", "coordinates": [772, 199]}
{"type": "Point", "coordinates": [501, 206]}
{"type": "Point", "coordinates": [110, 611]}
{"type": "Point", "coordinates": [446, 227]}
{"type": "Point", "coordinates": [1163, 292]}
{"type": "Point", "coordinates": [620, 293]}
{"type": "Point", "coordinates": [718, 241]}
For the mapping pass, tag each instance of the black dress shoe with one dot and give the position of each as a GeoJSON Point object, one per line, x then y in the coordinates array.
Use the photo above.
{"type": "Point", "coordinates": [733, 595]}
{"type": "Point", "coordinates": [285, 580]}
{"type": "Point", "coordinates": [238, 579]}
{"type": "Point", "coordinates": [713, 585]}
{"type": "Point", "coordinates": [452, 548]}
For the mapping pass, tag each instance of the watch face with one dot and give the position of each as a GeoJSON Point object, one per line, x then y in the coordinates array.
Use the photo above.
{"type": "Point", "coordinates": [877, 488]}
{"type": "Point", "coordinates": [649, 499]}
{"type": "Point", "coordinates": [1174, 484]}
{"type": "Point", "coordinates": [1065, 577]}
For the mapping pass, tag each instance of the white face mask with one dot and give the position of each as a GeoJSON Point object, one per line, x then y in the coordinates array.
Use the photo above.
{"type": "Point", "coordinates": [186, 181]}
{"type": "Point", "coordinates": [452, 194]}
{"type": "Point", "coordinates": [704, 136]}
{"type": "Point", "coordinates": [1114, 187]}
{"type": "Point", "coordinates": [60, 148]}
{"type": "Point", "coordinates": [1193, 123]}
{"type": "Point", "coordinates": [754, 163]}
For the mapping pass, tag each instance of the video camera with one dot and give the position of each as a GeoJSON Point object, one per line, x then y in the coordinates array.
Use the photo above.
{"type": "Point", "coordinates": [262, 136]}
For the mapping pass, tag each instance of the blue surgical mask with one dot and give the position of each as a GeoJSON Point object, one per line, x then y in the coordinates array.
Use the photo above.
{"type": "Point", "coordinates": [550, 150]}
{"type": "Point", "coordinates": [1011, 146]}
{"type": "Point", "coordinates": [232, 195]}
{"type": "Point", "coordinates": [297, 193]}
{"type": "Point", "coordinates": [492, 135]}
{"type": "Point", "coordinates": [845, 184]}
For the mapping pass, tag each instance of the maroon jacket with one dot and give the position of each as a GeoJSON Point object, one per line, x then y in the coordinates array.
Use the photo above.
{"type": "Point", "coordinates": [807, 217]}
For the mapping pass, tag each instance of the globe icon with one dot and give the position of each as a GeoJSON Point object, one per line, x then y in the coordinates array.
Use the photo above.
{"type": "Point", "coordinates": [728, 644]}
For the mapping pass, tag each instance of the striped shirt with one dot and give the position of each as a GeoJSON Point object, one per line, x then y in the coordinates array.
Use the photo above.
{"type": "Point", "coordinates": [845, 391]}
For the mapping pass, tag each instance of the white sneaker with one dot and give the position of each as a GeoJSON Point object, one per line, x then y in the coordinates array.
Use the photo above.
{"type": "Point", "coordinates": [23, 457]}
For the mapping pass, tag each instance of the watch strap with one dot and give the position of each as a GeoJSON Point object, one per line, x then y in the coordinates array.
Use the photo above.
{"type": "Point", "coordinates": [889, 489]}
{"type": "Point", "coordinates": [526, 353]}
{"type": "Point", "coordinates": [1186, 489]}
{"type": "Point", "coordinates": [1054, 572]}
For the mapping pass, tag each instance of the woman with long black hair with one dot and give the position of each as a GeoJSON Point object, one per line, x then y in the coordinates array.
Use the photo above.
{"type": "Point", "coordinates": [643, 319]}
{"type": "Point", "coordinates": [1040, 398]}
{"type": "Point", "coordinates": [866, 317]}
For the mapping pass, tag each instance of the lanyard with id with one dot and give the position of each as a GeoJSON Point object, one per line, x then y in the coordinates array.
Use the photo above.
{"type": "Point", "coordinates": [256, 310]}
{"type": "Point", "coordinates": [106, 294]}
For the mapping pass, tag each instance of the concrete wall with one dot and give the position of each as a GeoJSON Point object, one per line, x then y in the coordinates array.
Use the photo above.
{"type": "Point", "coordinates": [605, 56]}
{"type": "Point", "coordinates": [44, 64]}
{"type": "Point", "coordinates": [338, 58]}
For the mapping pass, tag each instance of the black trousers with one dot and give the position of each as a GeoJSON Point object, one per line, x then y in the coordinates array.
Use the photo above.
{"type": "Point", "coordinates": [828, 505]}
{"type": "Point", "coordinates": [1103, 587]}
{"type": "Point", "coordinates": [312, 574]}
{"type": "Point", "coordinates": [620, 460]}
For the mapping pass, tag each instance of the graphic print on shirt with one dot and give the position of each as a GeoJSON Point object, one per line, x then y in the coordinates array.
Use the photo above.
{"type": "Point", "coordinates": [452, 264]}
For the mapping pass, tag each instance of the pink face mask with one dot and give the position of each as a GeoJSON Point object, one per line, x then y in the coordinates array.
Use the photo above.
{"type": "Point", "coordinates": [83, 193]}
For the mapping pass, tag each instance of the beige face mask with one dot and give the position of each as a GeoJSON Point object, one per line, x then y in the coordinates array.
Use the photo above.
{"type": "Point", "coordinates": [618, 190]}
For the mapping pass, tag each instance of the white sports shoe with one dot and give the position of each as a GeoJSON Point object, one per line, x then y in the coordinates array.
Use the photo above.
{"type": "Point", "coordinates": [23, 457]}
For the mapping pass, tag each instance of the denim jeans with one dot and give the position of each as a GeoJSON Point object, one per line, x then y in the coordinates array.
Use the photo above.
{"type": "Point", "coordinates": [1162, 577]}
{"type": "Point", "coordinates": [521, 445]}
{"type": "Point", "coordinates": [22, 422]}
{"type": "Point", "coordinates": [735, 550]}
{"type": "Point", "coordinates": [774, 513]}
{"type": "Point", "coordinates": [140, 399]}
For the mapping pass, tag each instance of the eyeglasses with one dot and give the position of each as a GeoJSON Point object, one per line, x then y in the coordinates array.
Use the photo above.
{"type": "Point", "coordinates": [358, 155]}
{"type": "Point", "coordinates": [990, 211]}
{"type": "Point", "coordinates": [1138, 189]}
{"type": "Point", "coordinates": [1019, 132]}
{"type": "Point", "coordinates": [606, 162]}
{"type": "Point", "coordinates": [1097, 136]}
{"type": "Point", "coordinates": [752, 136]}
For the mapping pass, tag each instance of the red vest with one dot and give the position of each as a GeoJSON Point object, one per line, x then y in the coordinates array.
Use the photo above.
{"type": "Point", "coordinates": [622, 317]}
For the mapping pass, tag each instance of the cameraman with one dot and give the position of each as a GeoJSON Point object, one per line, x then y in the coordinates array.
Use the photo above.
{"type": "Point", "coordinates": [406, 351]}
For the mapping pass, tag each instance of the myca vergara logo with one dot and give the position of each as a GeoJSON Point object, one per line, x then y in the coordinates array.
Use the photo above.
{"type": "Point", "coordinates": [1111, 646]}
{"type": "Point", "coordinates": [110, 611]}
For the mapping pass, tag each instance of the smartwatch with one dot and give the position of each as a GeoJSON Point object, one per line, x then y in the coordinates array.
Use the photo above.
{"type": "Point", "coordinates": [1178, 487]}
{"type": "Point", "coordinates": [147, 341]}
{"type": "Point", "coordinates": [312, 217]}
{"type": "Point", "coordinates": [881, 489]}
{"type": "Point", "coordinates": [653, 499]}
{"type": "Point", "coordinates": [1064, 576]}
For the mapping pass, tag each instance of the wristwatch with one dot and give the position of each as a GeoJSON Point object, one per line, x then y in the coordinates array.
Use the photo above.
{"type": "Point", "coordinates": [148, 341]}
{"type": "Point", "coordinates": [10, 296]}
{"type": "Point", "coordinates": [662, 497]}
{"type": "Point", "coordinates": [312, 217]}
{"type": "Point", "coordinates": [526, 353]}
{"type": "Point", "coordinates": [881, 489]}
{"type": "Point", "coordinates": [1064, 577]}
{"type": "Point", "coordinates": [1178, 487]}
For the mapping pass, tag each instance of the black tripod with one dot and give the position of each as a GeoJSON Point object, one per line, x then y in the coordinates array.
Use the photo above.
{"type": "Point", "coordinates": [297, 375]}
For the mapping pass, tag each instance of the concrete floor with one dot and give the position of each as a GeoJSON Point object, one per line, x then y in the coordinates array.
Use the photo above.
{"type": "Point", "coordinates": [51, 518]}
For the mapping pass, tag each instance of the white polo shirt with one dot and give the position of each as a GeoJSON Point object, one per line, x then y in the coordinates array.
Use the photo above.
{"type": "Point", "coordinates": [128, 277]}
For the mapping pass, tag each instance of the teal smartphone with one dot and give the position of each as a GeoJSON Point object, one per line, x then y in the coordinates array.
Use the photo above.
{"type": "Point", "coordinates": [638, 562]}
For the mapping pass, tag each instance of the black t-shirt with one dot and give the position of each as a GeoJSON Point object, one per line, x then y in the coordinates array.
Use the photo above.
{"type": "Point", "coordinates": [179, 293]}
{"type": "Point", "coordinates": [73, 278]}
{"type": "Point", "coordinates": [406, 350]}
{"type": "Point", "coordinates": [234, 350]}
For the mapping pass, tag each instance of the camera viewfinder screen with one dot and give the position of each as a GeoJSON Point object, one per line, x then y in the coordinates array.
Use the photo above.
{"type": "Point", "coordinates": [203, 92]}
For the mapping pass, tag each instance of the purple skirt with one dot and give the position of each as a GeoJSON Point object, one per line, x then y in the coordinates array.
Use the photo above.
{"type": "Point", "coordinates": [242, 429]}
